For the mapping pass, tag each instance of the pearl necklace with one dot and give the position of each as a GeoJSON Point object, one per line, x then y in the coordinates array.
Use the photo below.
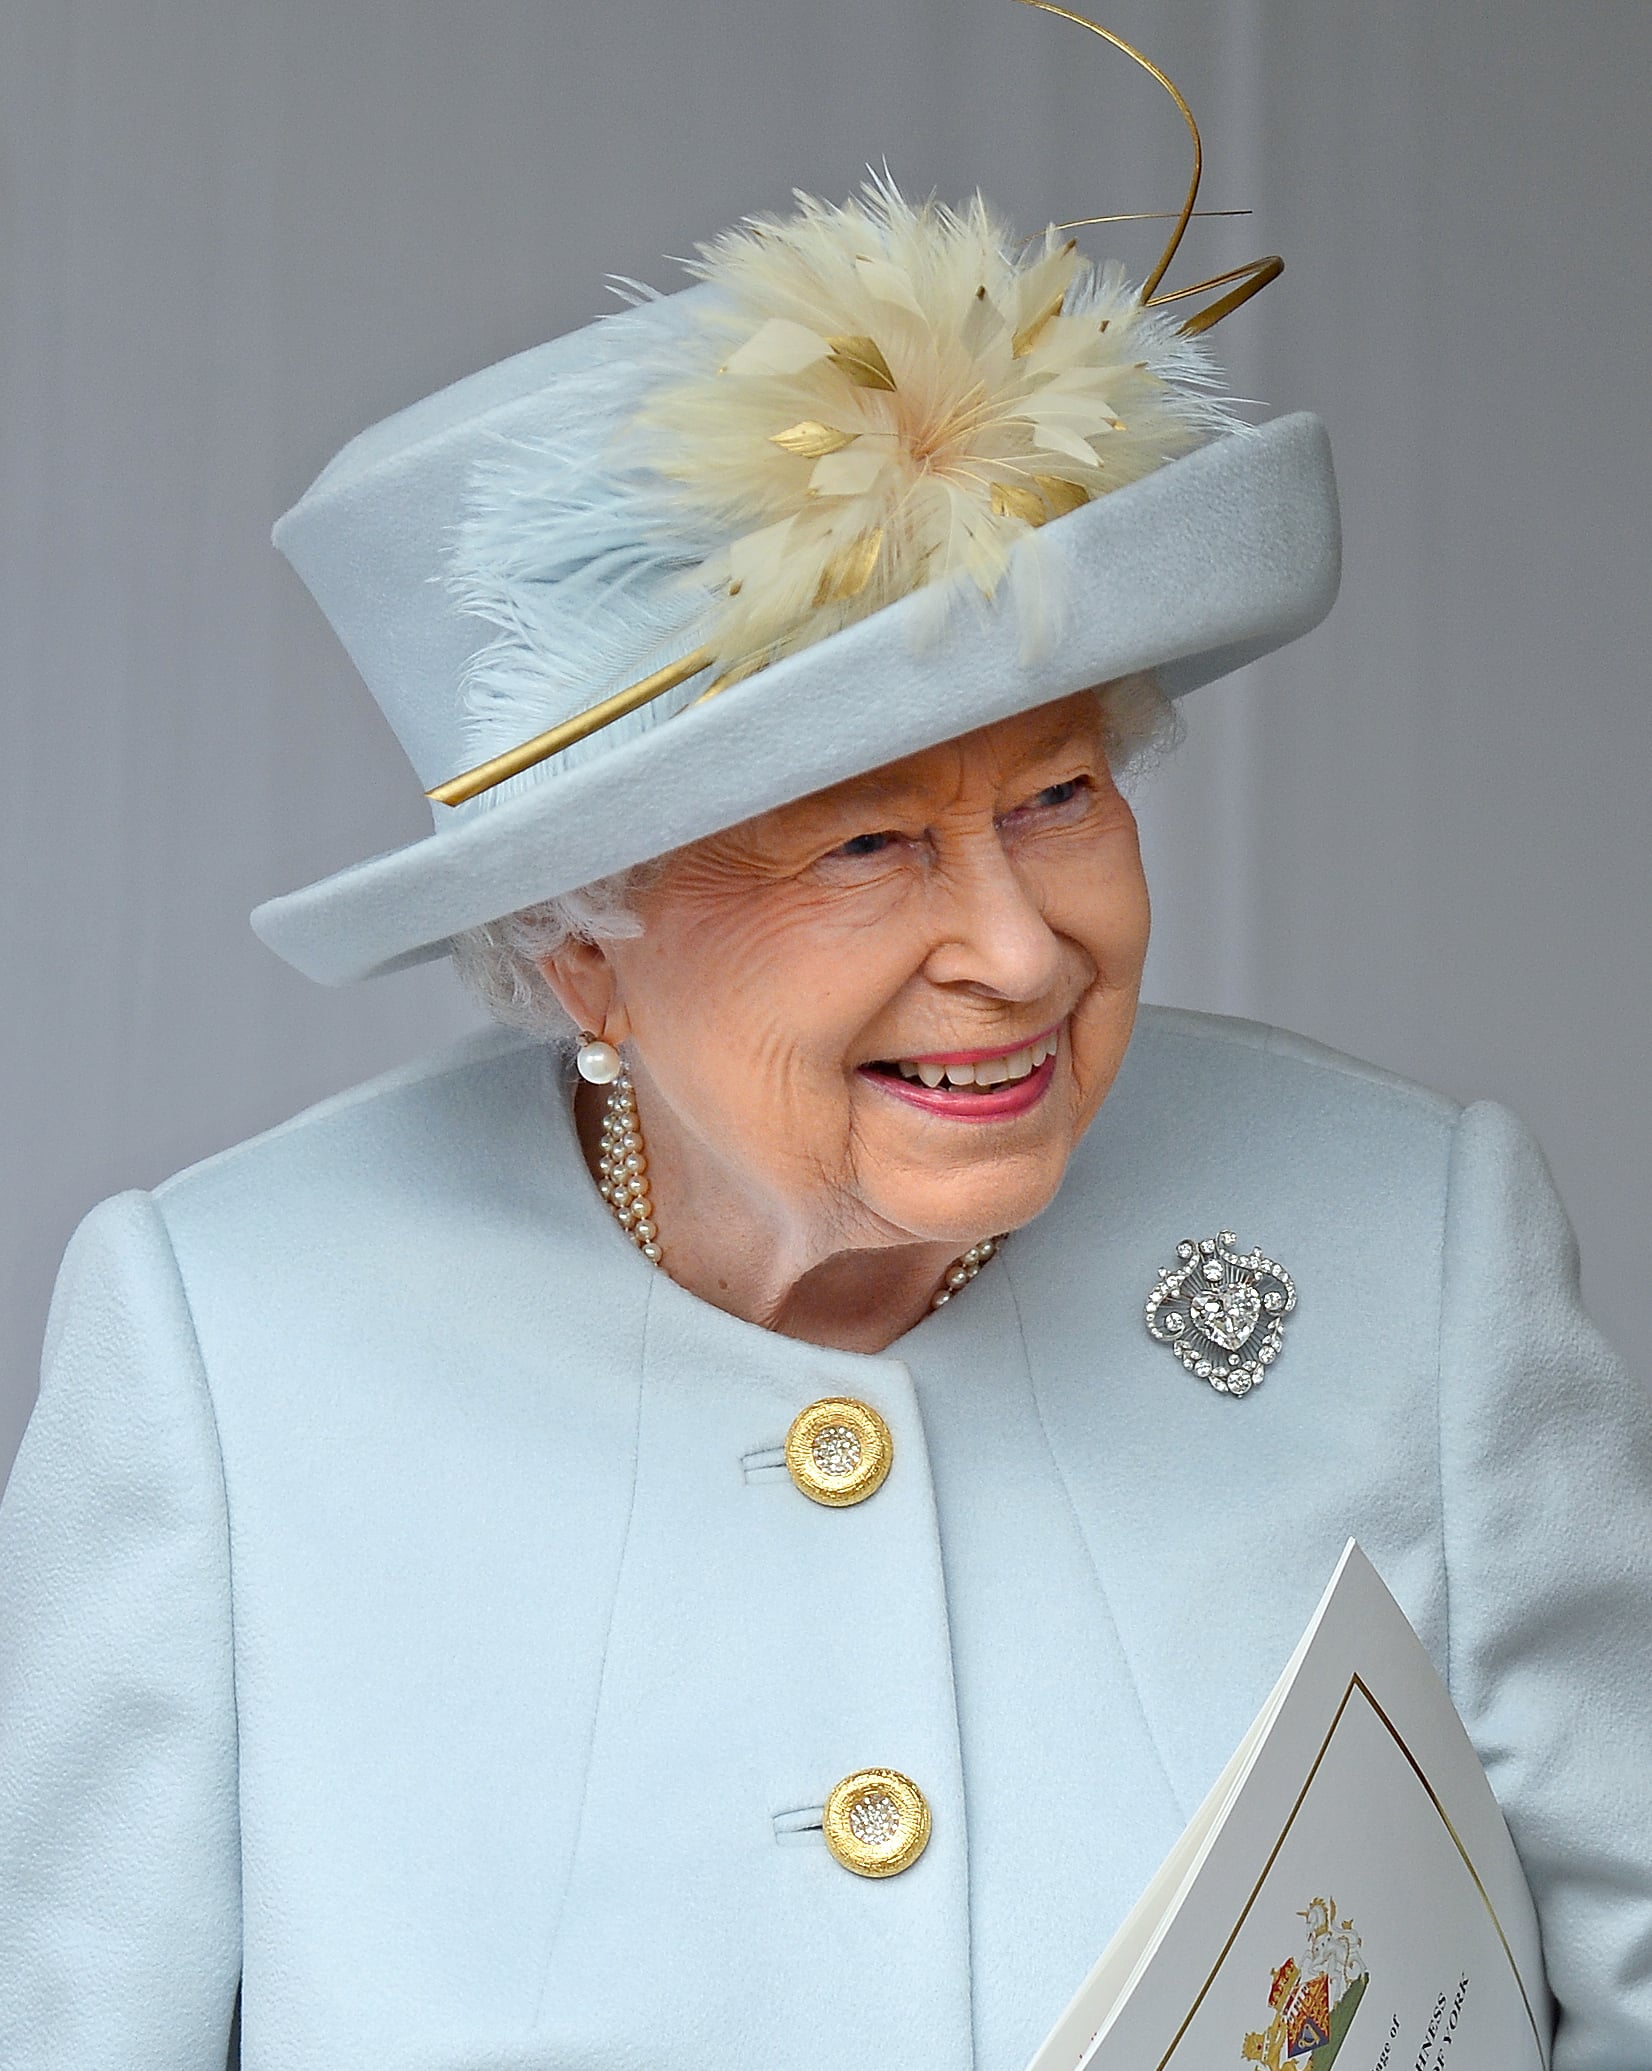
{"type": "Point", "coordinates": [622, 1167]}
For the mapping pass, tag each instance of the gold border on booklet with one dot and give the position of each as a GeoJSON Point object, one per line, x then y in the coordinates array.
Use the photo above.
{"type": "Point", "coordinates": [1394, 1734]}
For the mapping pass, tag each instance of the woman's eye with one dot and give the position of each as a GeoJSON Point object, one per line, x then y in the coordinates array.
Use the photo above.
{"type": "Point", "coordinates": [1050, 800]}
{"type": "Point", "coordinates": [864, 845]}
{"type": "Point", "coordinates": [1059, 798]}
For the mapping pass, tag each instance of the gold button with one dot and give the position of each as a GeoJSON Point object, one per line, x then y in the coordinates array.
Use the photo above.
{"type": "Point", "coordinates": [838, 1451]}
{"type": "Point", "coordinates": [877, 1822]}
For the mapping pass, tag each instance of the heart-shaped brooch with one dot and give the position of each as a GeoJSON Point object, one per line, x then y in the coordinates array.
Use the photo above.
{"type": "Point", "coordinates": [1222, 1311]}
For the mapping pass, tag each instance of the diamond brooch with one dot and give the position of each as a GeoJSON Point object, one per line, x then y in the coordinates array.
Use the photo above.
{"type": "Point", "coordinates": [1222, 1311]}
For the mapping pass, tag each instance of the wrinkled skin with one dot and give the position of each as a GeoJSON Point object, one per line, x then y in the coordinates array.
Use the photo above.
{"type": "Point", "coordinates": [966, 898]}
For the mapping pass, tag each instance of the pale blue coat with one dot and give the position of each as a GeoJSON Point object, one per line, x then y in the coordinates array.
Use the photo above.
{"type": "Point", "coordinates": [404, 1607]}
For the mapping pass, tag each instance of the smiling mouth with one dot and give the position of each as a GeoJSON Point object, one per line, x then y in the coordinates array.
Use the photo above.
{"type": "Point", "coordinates": [972, 1073]}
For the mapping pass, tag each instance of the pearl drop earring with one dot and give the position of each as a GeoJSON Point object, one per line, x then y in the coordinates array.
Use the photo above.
{"type": "Point", "coordinates": [597, 1062]}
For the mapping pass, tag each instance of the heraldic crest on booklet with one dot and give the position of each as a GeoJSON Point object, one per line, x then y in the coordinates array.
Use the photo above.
{"type": "Point", "coordinates": [1347, 1895]}
{"type": "Point", "coordinates": [1313, 1995]}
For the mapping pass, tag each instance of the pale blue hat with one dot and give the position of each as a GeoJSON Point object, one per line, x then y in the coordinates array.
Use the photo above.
{"type": "Point", "coordinates": [1198, 567]}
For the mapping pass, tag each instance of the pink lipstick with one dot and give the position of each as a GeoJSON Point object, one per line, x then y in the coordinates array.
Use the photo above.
{"type": "Point", "coordinates": [1015, 1078]}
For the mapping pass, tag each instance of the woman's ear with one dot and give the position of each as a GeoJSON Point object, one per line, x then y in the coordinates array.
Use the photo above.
{"type": "Point", "coordinates": [585, 982]}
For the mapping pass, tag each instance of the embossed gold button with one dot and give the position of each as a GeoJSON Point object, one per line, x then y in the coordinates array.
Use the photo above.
{"type": "Point", "coordinates": [877, 1822]}
{"type": "Point", "coordinates": [838, 1451]}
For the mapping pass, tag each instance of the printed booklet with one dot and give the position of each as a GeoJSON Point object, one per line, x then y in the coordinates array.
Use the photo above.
{"type": "Point", "coordinates": [1347, 1894]}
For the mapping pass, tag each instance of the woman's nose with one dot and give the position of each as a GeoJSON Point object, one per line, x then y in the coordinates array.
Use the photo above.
{"type": "Point", "coordinates": [990, 929]}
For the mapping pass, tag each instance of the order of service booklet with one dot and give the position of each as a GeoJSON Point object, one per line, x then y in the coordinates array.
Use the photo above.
{"type": "Point", "coordinates": [1347, 1894]}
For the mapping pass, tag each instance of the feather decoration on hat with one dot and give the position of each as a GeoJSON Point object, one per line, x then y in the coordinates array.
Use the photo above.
{"type": "Point", "coordinates": [891, 398]}
{"type": "Point", "coordinates": [862, 405]}
{"type": "Point", "coordinates": [567, 548]}
{"type": "Point", "coordinates": [859, 404]}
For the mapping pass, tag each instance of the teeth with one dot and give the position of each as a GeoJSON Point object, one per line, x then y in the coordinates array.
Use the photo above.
{"type": "Point", "coordinates": [990, 1071]}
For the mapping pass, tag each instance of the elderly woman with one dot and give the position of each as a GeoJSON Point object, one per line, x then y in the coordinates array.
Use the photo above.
{"type": "Point", "coordinates": [662, 1537]}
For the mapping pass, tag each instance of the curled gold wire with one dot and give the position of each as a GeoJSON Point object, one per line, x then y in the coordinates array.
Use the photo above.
{"type": "Point", "coordinates": [1139, 216]}
{"type": "Point", "coordinates": [1255, 274]}
{"type": "Point", "coordinates": [1185, 213]}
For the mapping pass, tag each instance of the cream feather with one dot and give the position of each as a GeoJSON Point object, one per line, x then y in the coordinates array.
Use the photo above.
{"type": "Point", "coordinates": [884, 398]}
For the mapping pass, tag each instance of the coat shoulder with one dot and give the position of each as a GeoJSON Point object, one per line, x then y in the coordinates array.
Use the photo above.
{"type": "Point", "coordinates": [1214, 1119]}
{"type": "Point", "coordinates": [442, 1125]}
{"type": "Point", "coordinates": [1210, 1089]}
{"type": "Point", "coordinates": [1175, 1041]}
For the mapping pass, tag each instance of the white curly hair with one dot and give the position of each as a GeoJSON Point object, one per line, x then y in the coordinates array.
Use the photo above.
{"type": "Point", "coordinates": [501, 961]}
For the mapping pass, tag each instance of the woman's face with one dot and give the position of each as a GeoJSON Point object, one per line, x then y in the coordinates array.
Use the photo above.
{"type": "Point", "coordinates": [889, 1010]}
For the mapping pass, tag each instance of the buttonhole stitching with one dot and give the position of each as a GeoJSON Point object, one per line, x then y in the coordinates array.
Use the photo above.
{"type": "Point", "coordinates": [799, 1826]}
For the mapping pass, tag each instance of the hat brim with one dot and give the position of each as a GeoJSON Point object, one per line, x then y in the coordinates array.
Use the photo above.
{"type": "Point", "coordinates": [1195, 570]}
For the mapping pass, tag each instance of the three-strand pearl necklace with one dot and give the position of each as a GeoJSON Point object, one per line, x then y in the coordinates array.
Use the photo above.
{"type": "Point", "coordinates": [622, 1174]}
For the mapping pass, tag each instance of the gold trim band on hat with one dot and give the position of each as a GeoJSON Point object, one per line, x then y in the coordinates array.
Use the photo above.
{"type": "Point", "coordinates": [544, 745]}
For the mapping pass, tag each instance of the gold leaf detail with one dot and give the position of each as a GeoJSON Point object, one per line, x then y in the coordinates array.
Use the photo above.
{"type": "Point", "coordinates": [1030, 333]}
{"type": "Point", "coordinates": [1011, 501]}
{"type": "Point", "coordinates": [811, 439]}
{"type": "Point", "coordinates": [1061, 495]}
{"type": "Point", "coordinates": [863, 361]}
{"type": "Point", "coordinates": [849, 570]}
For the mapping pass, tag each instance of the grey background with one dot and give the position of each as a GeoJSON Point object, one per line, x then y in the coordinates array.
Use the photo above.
{"type": "Point", "coordinates": [235, 231]}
